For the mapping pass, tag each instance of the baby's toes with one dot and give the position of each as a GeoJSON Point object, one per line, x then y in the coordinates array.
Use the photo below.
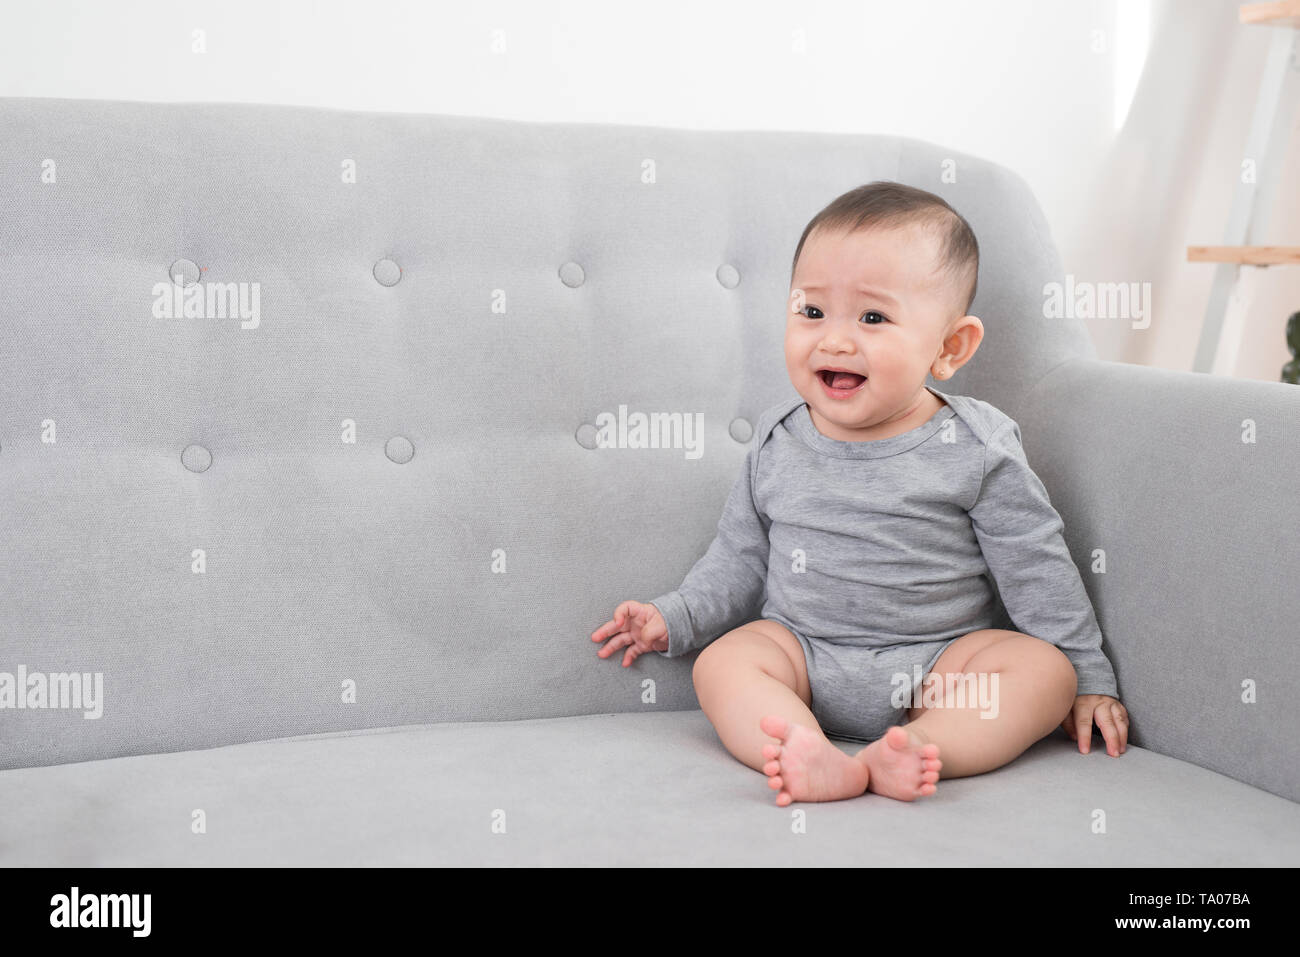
{"type": "Point", "coordinates": [772, 767]}
{"type": "Point", "coordinates": [774, 783]}
{"type": "Point", "coordinates": [775, 726]}
{"type": "Point", "coordinates": [771, 750]}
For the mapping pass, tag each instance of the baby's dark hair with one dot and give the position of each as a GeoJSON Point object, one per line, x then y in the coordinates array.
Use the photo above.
{"type": "Point", "coordinates": [887, 204]}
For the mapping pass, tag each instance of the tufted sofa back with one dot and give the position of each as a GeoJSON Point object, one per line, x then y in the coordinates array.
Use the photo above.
{"type": "Point", "coordinates": [301, 410]}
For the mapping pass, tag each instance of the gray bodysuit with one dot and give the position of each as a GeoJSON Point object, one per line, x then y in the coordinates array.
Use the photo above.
{"type": "Point", "coordinates": [877, 555]}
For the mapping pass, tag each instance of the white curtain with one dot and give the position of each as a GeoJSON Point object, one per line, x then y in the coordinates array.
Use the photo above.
{"type": "Point", "coordinates": [1169, 181]}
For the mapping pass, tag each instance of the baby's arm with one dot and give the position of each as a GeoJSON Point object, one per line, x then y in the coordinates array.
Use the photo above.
{"type": "Point", "coordinates": [1020, 534]}
{"type": "Point", "coordinates": [723, 589]}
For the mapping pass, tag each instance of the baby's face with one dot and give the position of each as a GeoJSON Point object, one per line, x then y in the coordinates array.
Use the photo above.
{"type": "Point", "coordinates": [871, 303]}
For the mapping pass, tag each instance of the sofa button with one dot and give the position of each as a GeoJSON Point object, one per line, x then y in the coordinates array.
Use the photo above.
{"type": "Point", "coordinates": [399, 449]}
{"type": "Point", "coordinates": [728, 276]}
{"type": "Point", "coordinates": [572, 275]}
{"type": "Point", "coordinates": [184, 272]}
{"type": "Point", "coordinates": [586, 435]}
{"type": "Point", "coordinates": [741, 430]}
{"type": "Point", "coordinates": [387, 272]}
{"type": "Point", "coordinates": [196, 458]}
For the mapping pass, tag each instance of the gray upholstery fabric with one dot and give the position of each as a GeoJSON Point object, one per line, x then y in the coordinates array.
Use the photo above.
{"type": "Point", "coordinates": [472, 303]}
{"type": "Point", "coordinates": [327, 561]}
{"type": "Point", "coordinates": [625, 789]}
{"type": "Point", "coordinates": [1201, 546]}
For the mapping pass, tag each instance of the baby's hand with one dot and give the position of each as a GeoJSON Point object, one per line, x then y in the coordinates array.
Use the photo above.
{"type": "Point", "coordinates": [1110, 716]}
{"type": "Point", "coordinates": [637, 626]}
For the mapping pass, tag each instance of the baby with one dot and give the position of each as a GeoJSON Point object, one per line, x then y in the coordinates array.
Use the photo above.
{"type": "Point", "coordinates": [873, 517]}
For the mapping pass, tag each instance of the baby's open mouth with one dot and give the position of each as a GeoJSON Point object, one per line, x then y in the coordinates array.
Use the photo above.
{"type": "Point", "coordinates": [841, 381]}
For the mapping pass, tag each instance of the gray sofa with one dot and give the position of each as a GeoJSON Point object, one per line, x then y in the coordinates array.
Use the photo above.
{"type": "Point", "coordinates": [336, 554]}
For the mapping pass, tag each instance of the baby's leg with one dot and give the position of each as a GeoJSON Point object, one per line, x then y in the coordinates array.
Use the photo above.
{"type": "Point", "coordinates": [756, 670]}
{"type": "Point", "coordinates": [753, 686]}
{"type": "Point", "coordinates": [1034, 692]}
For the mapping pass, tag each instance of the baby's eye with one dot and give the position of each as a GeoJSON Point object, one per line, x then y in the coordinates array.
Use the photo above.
{"type": "Point", "coordinates": [871, 312]}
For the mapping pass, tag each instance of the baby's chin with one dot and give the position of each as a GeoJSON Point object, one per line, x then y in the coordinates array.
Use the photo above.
{"type": "Point", "coordinates": [858, 413]}
{"type": "Point", "coordinates": [851, 421]}
{"type": "Point", "coordinates": [862, 412]}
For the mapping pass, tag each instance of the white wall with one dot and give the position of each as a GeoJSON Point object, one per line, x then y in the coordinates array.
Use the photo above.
{"type": "Point", "coordinates": [1039, 85]}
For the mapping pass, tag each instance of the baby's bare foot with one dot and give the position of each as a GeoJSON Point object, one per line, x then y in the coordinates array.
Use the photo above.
{"type": "Point", "coordinates": [902, 766]}
{"type": "Point", "coordinates": [807, 767]}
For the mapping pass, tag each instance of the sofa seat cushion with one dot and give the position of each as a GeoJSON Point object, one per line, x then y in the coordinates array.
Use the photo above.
{"type": "Point", "coordinates": [615, 789]}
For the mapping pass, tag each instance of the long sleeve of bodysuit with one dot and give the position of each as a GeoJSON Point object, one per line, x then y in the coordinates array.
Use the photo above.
{"type": "Point", "coordinates": [1020, 534]}
{"type": "Point", "coordinates": [724, 589]}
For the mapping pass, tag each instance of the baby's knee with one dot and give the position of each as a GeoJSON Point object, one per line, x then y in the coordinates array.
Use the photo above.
{"type": "Point", "coordinates": [1060, 670]}
{"type": "Point", "coordinates": [736, 647]}
{"type": "Point", "coordinates": [717, 652]}
{"type": "Point", "coordinates": [703, 661]}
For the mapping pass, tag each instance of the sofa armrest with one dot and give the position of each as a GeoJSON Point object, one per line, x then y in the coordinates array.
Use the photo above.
{"type": "Point", "coordinates": [1180, 494]}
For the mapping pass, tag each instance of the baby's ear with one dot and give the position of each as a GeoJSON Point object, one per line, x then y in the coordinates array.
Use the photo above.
{"type": "Point", "coordinates": [963, 341]}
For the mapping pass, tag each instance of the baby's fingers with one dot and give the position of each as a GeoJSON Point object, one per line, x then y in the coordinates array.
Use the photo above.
{"type": "Point", "coordinates": [1083, 729]}
{"type": "Point", "coordinates": [621, 640]}
{"type": "Point", "coordinates": [1106, 721]}
{"type": "Point", "coordinates": [1121, 720]}
{"type": "Point", "coordinates": [632, 654]}
{"type": "Point", "coordinates": [615, 624]}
